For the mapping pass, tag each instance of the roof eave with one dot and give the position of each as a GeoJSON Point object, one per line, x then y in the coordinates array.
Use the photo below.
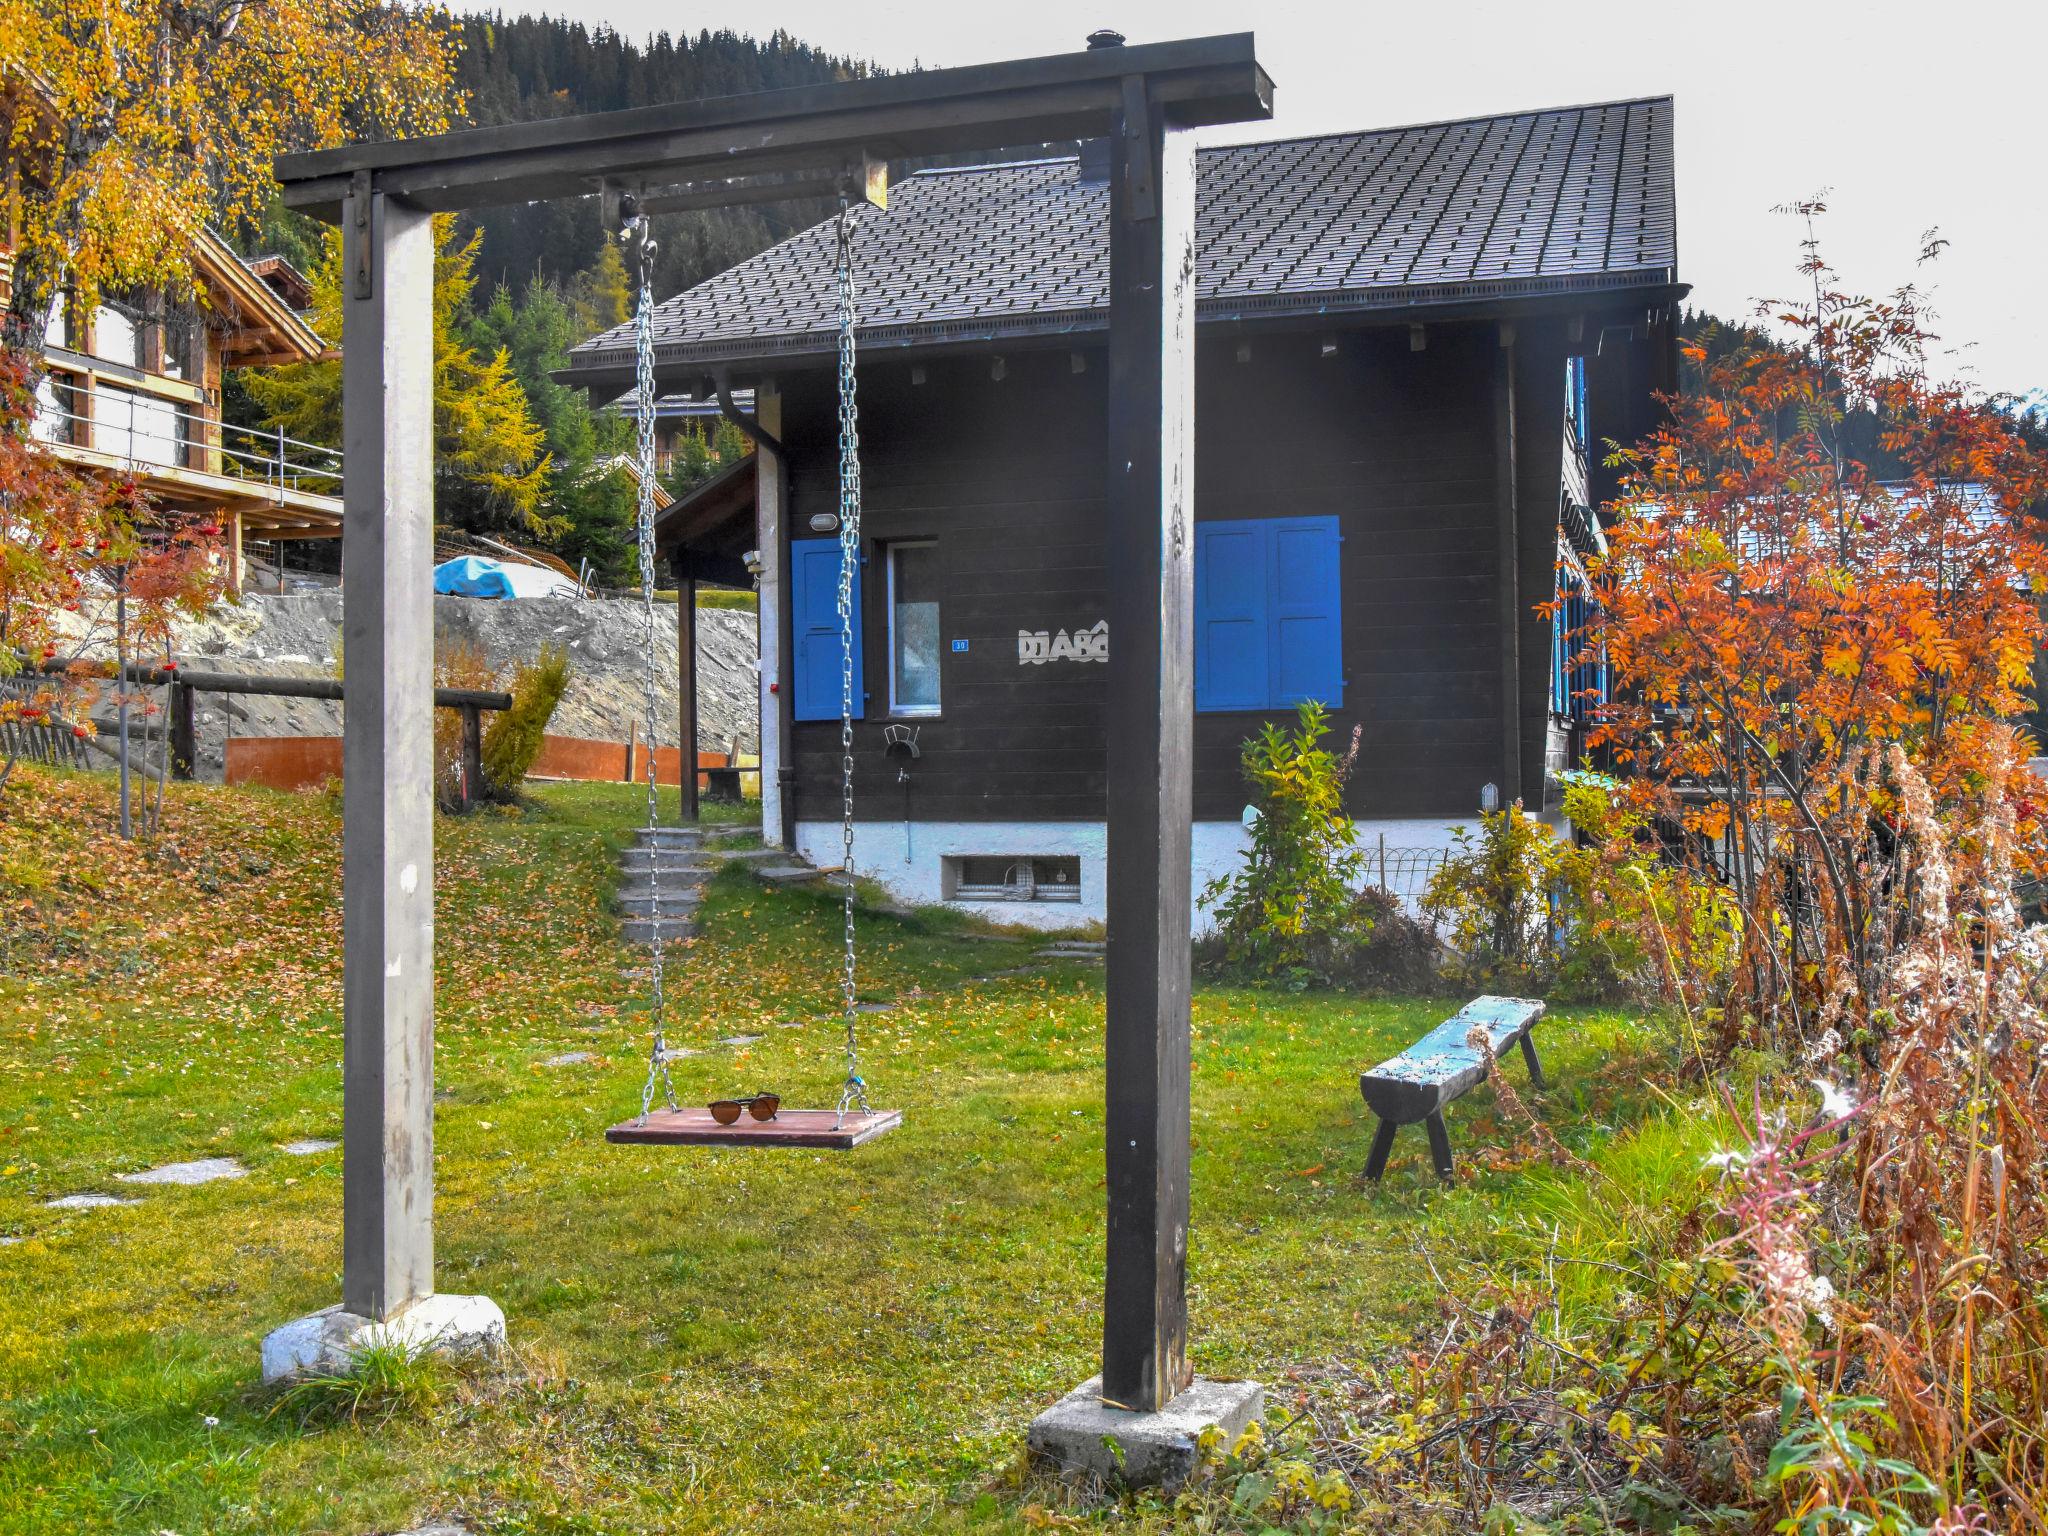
{"type": "Point", "coordinates": [610, 373]}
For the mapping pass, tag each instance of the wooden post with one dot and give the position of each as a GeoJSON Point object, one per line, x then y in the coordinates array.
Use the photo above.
{"type": "Point", "coordinates": [1151, 718]}
{"type": "Point", "coordinates": [472, 754]}
{"type": "Point", "coordinates": [686, 686]}
{"type": "Point", "coordinates": [388, 755]}
{"type": "Point", "coordinates": [1509, 555]}
{"type": "Point", "coordinates": [184, 732]}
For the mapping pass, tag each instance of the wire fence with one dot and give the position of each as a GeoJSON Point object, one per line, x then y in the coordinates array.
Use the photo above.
{"type": "Point", "coordinates": [48, 739]}
{"type": "Point", "coordinates": [1405, 872]}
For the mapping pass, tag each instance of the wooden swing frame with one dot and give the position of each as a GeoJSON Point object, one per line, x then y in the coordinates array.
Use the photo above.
{"type": "Point", "coordinates": [767, 147]}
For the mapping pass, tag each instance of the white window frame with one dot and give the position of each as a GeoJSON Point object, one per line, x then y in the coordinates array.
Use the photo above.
{"type": "Point", "coordinates": [896, 707]}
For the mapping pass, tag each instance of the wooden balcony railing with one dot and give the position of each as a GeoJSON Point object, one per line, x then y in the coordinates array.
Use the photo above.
{"type": "Point", "coordinates": [152, 431]}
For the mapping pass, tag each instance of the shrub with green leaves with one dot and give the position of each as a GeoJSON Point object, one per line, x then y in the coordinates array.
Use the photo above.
{"type": "Point", "coordinates": [513, 739]}
{"type": "Point", "coordinates": [1293, 894]}
{"type": "Point", "coordinates": [1492, 897]}
{"type": "Point", "coordinates": [1597, 913]}
{"type": "Point", "coordinates": [1292, 911]}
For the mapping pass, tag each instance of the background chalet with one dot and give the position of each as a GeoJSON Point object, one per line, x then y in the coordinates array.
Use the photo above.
{"type": "Point", "coordinates": [1408, 340]}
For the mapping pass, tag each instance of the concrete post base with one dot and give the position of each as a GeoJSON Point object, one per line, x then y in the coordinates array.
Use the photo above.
{"type": "Point", "coordinates": [326, 1340]}
{"type": "Point", "coordinates": [1155, 1449]}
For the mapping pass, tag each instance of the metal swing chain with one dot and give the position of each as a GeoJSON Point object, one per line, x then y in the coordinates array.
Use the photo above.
{"type": "Point", "coordinates": [643, 345]}
{"type": "Point", "coordinates": [854, 1091]}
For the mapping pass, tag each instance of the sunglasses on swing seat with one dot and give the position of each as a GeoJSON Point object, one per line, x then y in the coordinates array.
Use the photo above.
{"type": "Point", "coordinates": [761, 1106]}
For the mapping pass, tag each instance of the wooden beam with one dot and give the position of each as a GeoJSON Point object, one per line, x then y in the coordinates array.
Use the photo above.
{"type": "Point", "coordinates": [864, 179]}
{"type": "Point", "coordinates": [808, 129]}
{"type": "Point", "coordinates": [1151, 727]}
{"type": "Point", "coordinates": [388, 762]}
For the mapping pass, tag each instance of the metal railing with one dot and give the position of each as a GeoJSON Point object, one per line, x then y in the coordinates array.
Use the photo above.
{"type": "Point", "coordinates": [1577, 476]}
{"type": "Point", "coordinates": [152, 431]}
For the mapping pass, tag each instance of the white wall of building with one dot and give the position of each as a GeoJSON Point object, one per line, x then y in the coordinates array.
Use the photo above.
{"type": "Point", "coordinates": [909, 861]}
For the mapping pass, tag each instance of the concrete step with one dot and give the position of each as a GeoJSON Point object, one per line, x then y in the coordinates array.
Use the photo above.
{"type": "Point", "coordinates": [1082, 951]}
{"type": "Point", "coordinates": [687, 886]}
{"type": "Point", "coordinates": [786, 874]}
{"type": "Point", "coordinates": [667, 860]}
{"type": "Point", "coordinates": [673, 903]}
{"type": "Point", "coordinates": [667, 837]}
{"type": "Point", "coordinates": [641, 930]}
{"type": "Point", "coordinates": [746, 855]}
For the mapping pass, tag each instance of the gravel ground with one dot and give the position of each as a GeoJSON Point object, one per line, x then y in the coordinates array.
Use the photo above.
{"type": "Point", "coordinates": [299, 635]}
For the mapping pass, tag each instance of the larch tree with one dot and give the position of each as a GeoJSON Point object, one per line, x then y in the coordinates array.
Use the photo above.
{"type": "Point", "coordinates": [491, 468]}
{"type": "Point", "coordinates": [132, 125]}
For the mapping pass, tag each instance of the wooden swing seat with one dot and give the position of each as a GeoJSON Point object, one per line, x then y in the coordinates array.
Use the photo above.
{"type": "Point", "coordinates": [814, 1128]}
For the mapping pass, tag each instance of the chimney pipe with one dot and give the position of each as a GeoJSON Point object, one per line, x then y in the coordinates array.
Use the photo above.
{"type": "Point", "coordinates": [1095, 152]}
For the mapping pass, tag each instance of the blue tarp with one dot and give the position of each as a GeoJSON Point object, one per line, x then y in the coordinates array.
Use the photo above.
{"type": "Point", "coordinates": [474, 576]}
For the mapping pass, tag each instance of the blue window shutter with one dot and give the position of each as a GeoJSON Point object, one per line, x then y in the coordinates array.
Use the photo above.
{"type": "Point", "coordinates": [1232, 620]}
{"type": "Point", "coordinates": [1307, 612]}
{"type": "Point", "coordinates": [814, 626]}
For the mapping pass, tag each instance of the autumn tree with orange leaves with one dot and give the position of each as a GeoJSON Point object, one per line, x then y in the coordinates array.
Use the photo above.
{"type": "Point", "coordinates": [1778, 618]}
{"type": "Point", "coordinates": [135, 124]}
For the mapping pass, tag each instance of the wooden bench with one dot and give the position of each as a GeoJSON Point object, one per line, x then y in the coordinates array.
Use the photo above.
{"type": "Point", "coordinates": [1440, 1067]}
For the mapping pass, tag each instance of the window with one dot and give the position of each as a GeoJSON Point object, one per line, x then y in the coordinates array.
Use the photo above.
{"type": "Point", "coordinates": [913, 629]}
{"type": "Point", "coordinates": [1268, 614]}
{"type": "Point", "coordinates": [814, 624]}
{"type": "Point", "coordinates": [117, 335]}
{"type": "Point", "coordinates": [1013, 877]}
{"type": "Point", "coordinates": [135, 426]}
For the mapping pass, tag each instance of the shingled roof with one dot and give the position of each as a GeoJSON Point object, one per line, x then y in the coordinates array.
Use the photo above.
{"type": "Point", "coordinates": [1577, 199]}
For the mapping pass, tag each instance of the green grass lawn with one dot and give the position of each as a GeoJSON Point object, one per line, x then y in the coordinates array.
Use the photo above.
{"type": "Point", "coordinates": [762, 1341]}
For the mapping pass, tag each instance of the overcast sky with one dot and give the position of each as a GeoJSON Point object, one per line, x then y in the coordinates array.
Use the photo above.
{"type": "Point", "coordinates": [1908, 120]}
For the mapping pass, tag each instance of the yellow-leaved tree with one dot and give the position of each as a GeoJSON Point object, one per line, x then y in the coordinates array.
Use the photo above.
{"type": "Point", "coordinates": [135, 123]}
{"type": "Point", "coordinates": [490, 470]}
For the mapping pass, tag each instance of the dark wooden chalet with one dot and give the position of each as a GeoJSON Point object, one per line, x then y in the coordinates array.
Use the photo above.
{"type": "Point", "coordinates": [1408, 339]}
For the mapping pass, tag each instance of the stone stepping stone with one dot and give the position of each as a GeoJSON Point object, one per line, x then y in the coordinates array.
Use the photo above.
{"type": "Point", "coordinates": [202, 1171]}
{"type": "Point", "coordinates": [311, 1147]}
{"type": "Point", "coordinates": [87, 1202]}
{"type": "Point", "coordinates": [785, 874]}
{"type": "Point", "coordinates": [569, 1059]}
{"type": "Point", "coordinates": [738, 1039]}
{"type": "Point", "coordinates": [874, 1007]}
{"type": "Point", "coordinates": [9, 1242]}
{"type": "Point", "coordinates": [680, 1053]}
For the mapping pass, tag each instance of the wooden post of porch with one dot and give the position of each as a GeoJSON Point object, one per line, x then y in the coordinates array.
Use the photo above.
{"type": "Point", "coordinates": [388, 755]}
{"type": "Point", "coordinates": [1151, 378]}
{"type": "Point", "coordinates": [1508, 553]}
{"type": "Point", "coordinates": [686, 685]}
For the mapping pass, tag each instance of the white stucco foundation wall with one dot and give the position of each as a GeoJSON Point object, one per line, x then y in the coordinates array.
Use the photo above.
{"type": "Point", "coordinates": [909, 862]}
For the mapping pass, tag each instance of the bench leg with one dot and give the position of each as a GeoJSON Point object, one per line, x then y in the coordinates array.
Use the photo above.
{"type": "Point", "coordinates": [1439, 1143]}
{"type": "Point", "coordinates": [1382, 1144]}
{"type": "Point", "coordinates": [1529, 1059]}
